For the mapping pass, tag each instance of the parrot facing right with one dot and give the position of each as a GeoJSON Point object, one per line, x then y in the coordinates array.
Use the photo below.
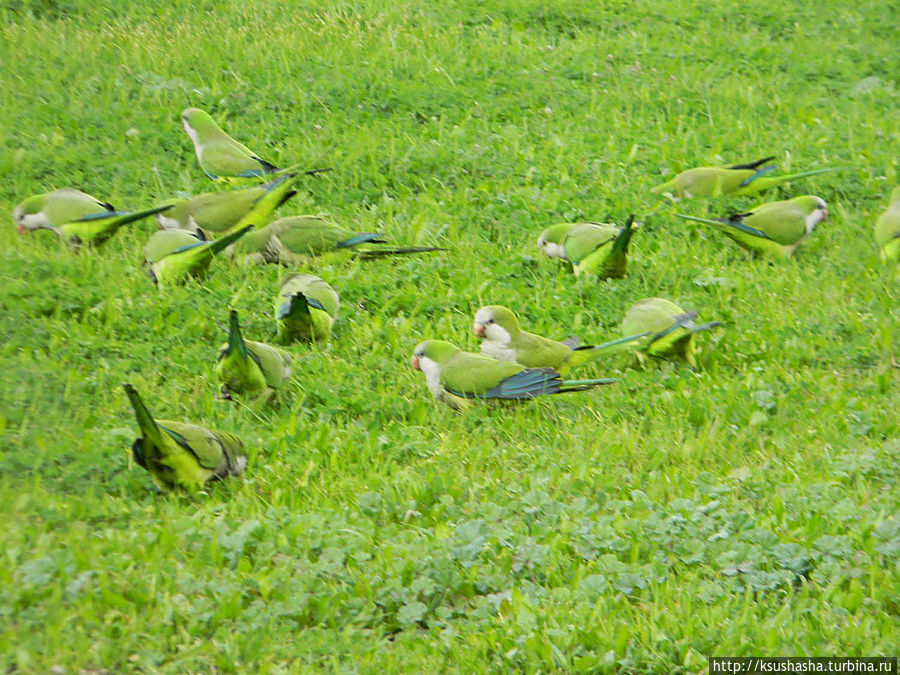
{"type": "Point", "coordinates": [75, 216]}
{"type": "Point", "coordinates": [180, 454]}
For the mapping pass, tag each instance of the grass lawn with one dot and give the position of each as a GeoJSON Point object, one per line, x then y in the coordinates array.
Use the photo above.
{"type": "Point", "coordinates": [749, 507]}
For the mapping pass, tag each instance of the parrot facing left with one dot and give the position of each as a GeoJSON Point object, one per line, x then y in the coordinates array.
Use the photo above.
{"type": "Point", "coordinates": [503, 338]}
{"type": "Point", "coordinates": [220, 156]}
{"type": "Point", "coordinates": [173, 255]}
{"type": "Point", "coordinates": [455, 377]}
{"type": "Point", "coordinates": [75, 216]}
{"type": "Point", "coordinates": [215, 213]}
{"type": "Point", "coordinates": [248, 368]}
{"type": "Point", "coordinates": [180, 454]}
{"type": "Point", "coordinates": [594, 248]}
{"type": "Point", "coordinates": [739, 179]}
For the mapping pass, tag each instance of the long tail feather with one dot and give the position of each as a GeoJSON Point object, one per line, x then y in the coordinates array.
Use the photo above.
{"type": "Point", "coordinates": [753, 165]}
{"type": "Point", "coordinates": [398, 251]}
{"type": "Point", "coordinates": [228, 239]}
{"type": "Point", "coordinates": [149, 428]}
{"type": "Point", "coordinates": [235, 340]}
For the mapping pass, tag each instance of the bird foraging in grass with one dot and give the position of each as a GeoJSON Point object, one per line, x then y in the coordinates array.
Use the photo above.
{"type": "Point", "coordinates": [75, 216]}
{"type": "Point", "coordinates": [598, 249]}
{"type": "Point", "coordinates": [455, 377]}
{"type": "Point", "coordinates": [181, 454]}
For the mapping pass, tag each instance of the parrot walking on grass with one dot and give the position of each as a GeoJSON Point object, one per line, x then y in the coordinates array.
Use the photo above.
{"type": "Point", "coordinates": [215, 213]}
{"type": "Point", "coordinates": [250, 369]}
{"type": "Point", "coordinates": [455, 377]}
{"type": "Point", "coordinates": [502, 338]}
{"type": "Point", "coordinates": [220, 156]}
{"type": "Point", "coordinates": [671, 329]}
{"type": "Point", "coordinates": [775, 228]}
{"type": "Point", "coordinates": [173, 255]}
{"type": "Point", "coordinates": [887, 230]}
{"type": "Point", "coordinates": [180, 454]}
{"type": "Point", "coordinates": [75, 216]}
{"type": "Point", "coordinates": [738, 179]}
{"type": "Point", "coordinates": [305, 309]}
{"type": "Point", "coordinates": [297, 239]}
{"type": "Point", "coordinates": [594, 248]}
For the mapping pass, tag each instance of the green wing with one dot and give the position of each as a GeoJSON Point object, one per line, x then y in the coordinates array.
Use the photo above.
{"type": "Point", "coordinates": [216, 451]}
{"type": "Point", "coordinates": [314, 288]}
{"type": "Point", "coordinates": [536, 351]}
{"type": "Point", "coordinates": [472, 374]}
{"type": "Point", "coordinates": [587, 238]}
{"type": "Point", "coordinates": [309, 235]}
{"type": "Point", "coordinates": [226, 157]}
{"type": "Point", "coordinates": [67, 205]}
{"type": "Point", "coordinates": [274, 362]}
{"type": "Point", "coordinates": [165, 242]}
{"type": "Point", "coordinates": [220, 211]}
{"type": "Point", "coordinates": [783, 222]}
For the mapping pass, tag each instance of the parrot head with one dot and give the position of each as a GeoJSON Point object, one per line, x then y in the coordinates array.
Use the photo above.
{"type": "Point", "coordinates": [816, 209]}
{"type": "Point", "coordinates": [496, 323]}
{"type": "Point", "coordinates": [196, 121]}
{"type": "Point", "coordinates": [28, 215]}
{"type": "Point", "coordinates": [551, 240]}
{"type": "Point", "coordinates": [430, 355]}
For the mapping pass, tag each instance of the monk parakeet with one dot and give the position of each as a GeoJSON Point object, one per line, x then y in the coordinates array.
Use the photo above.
{"type": "Point", "coordinates": [738, 179]}
{"type": "Point", "coordinates": [455, 377]}
{"type": "Point", "coordinates": [502, 338]}
{"type": "Point", "coordinates": [179, 454]}
{"type": "Point", "coordinates": [594, 248]}
{"type": "Point", "coordinates": [75, 216]}
{"type": "Point", "coordinates": [305, 309]}
{"type": "Point", "coordinates": [216, 212]}
{"type": "Point", "coordinates": [887, 230]}
{"type": "Point", "coordinates": [775, 228]}
{"type": "Point", "coordinates": [296, 239]}
{"type": "Point", "coordinates": [220, 156]}
{"type": "Point", "coordinates": [174, 254]}
{"type": "Point", "coordinates": [250, 369]}
{"type": "Point", "coordinates": [671, 328]}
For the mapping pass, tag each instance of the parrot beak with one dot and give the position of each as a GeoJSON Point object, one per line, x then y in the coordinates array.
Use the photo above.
{"type": "Point", "coordinates": [414, 362]}
{"type": "Point", "coordinates": [824, 214]}
{"type": "Point", "coordinates": [479, 330]}
{"type": "Point", "coordinates": [21, 229]}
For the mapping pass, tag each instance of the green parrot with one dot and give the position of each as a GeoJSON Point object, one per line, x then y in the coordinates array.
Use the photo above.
{"type": "Point", "coordinates": [455, 377]}
{"type": "Point", "coordinates": [737, 180]}
{"type": "Point", "coordinates": [296, 239]}
{"type": "Point", "coordinates": [672, 329]}
{"type": "Point", "coordinates": [75, 216]}
{"type": "Point", "coordinates": [214, 213]}
{"type": "Point", "coordinates": [179, 454]}
{"type": "Point", "coordinates": [775, 228]}
{"type": "Point", "coordinates": [220, 156]}
{"type": "Point", "coordinates": [174, 254]}
{"type": "Point", "coordinates": [305, 309]}
{"type": "Point", "coordinates": [503, 339]}
{"type": "Point", "coordinates": [593, 248]}
{"type": "Point", "coordinates": [251, 369]}
{"type": "Point", "coordinates": [887, 230]}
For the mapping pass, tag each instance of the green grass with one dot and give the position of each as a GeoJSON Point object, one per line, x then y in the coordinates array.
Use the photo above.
{"type": "Point", "coordinates": [749, 507]}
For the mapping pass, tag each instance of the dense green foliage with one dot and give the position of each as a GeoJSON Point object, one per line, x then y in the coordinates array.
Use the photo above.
{"type": "Point", "coordinates": [748, 507]}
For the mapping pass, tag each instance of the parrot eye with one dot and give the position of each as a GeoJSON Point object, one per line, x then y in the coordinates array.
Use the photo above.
{"type": "Point", "coordinates": [490, 321]}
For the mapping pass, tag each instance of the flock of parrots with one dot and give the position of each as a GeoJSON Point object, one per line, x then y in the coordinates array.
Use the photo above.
{"type": "Point", "coordinates": [514, 364]}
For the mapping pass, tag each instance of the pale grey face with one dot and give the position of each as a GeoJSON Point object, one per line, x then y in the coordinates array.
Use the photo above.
{"type": "Point", "coordinates": [29, 221]}
{"type": "Point", "coordinates": [486, 327]}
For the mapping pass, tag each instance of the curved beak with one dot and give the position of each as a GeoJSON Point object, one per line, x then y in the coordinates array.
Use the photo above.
{"type": "Point", "coordinates": [824, 214]}
{"type": "Point", "coordinates": [479, 330]}
{"type": "Point", "coordinates": [414, 362]}
{"type": "Point", "coordinates": [21, 229]}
